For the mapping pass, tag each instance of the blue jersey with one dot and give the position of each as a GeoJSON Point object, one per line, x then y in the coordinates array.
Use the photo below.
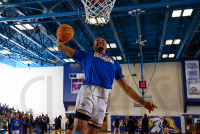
{"type": "Point", "coordinates": [16, 124]}
{"type": "Point", "coordinates": [100, 69]}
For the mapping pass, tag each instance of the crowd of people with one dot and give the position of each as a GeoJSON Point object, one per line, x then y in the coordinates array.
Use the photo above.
{"type": "Point", "coordinates": [17, 122]}
{"type": "Point", "coordinates": [131, 125]}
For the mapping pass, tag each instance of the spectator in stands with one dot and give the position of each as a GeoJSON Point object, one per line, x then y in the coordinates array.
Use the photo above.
{"type": "Point", "coordinates": [145, 124]}
{"type": "Point", "coordinates": [25, 123]}
{"type": "Point", "coordinates": [32, 123]}
{"type": "Point", "coordinates": [4, 123]}
{"type": "Point", "coordinates": [39, 122]}
{"type": "Point", "coordinates": [10, 119]}
{"type": "Point", "coordinates": [16, 126]}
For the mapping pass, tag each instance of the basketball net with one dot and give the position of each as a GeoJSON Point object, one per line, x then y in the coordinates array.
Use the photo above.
{"type": "Point", "coordinates": [98, 11]}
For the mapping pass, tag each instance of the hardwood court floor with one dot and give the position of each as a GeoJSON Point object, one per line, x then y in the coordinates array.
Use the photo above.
{"type": "Point", "coordinates": [70, 132]}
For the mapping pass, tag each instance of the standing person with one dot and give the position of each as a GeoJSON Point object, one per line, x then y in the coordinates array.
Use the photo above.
{"type": "Point", "coordinates": [55, 120]}
{"type": "Point", "coordinates": [46, 122]}
{"type": "Point", "coordinates": [16, 126]}
{"type": "Point", "coordinates": [136, 124]}
{"type": "Point", "coordinates": [31, 123]}
{"type": "Point", "coordinates": [58, 125]}
{"type": "Point", "coordinates": [39, 122]}
{"type": "Point", "coordinates": [10, 119]}
{"type": "Point", "coordinates": [42, 124]}
{"type": "Point", "coordinates": [165, 126]}
{"type": "Point", "coordinates": [66, 123]}
{"type": "Point", "coordinates": [126, 124]}
{"type": "Point", "coordinates": [117, 124]}
{"type": "Point", "coordinates": [145, 124]}
{"type": "Point", "coordinates": [100, 70]}
{"type": "Point", "coordinates": [131, 126]}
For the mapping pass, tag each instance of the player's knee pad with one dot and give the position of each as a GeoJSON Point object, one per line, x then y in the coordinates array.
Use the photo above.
{"type": "Point", "coordinates": [77, 133]}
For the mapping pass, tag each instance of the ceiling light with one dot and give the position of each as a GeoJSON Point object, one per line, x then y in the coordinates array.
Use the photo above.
{"type": "Point", "coordinates": [55, 47]}
{"type": "Point", "coordinates": [108, 46]}
{"type": "Point", "coordinates": [171, 55]}
{"type": "Point", "coordinates": [168, 42]}
{"type": "Point", "coordinates": [187, 12]}
{"type": "Point", "coordinates": [66, 60]}
{"type": "Point", "coordinates": [114, 57]}
{"type": "Point", "coordinates": [5, 52]}
{"type": "Point", "coordinates": [1, 3]}
{"type": "Point", "coordinates": [92, 21]}
{"type": "Point", "coordinates": [164, 55]}
{"type": "Point", "coordinates": [28, 26]}
{"type": "Point", "coordinates": [51, 49]}
{"type": "Point", "coordinates": [119, 57]}
{"type": "Point", "coordinates": [177, 41]}
{"type": "Point", "coordinates": [20, 27]}
{"type": "Point", "coordinates": [176, 13]}
{"type": "Point", "coordinates": [71, 60]}
{"type": "Point", "coordinates": [26, 62]}
{"type": "Point", "coordinates": [113, 45]}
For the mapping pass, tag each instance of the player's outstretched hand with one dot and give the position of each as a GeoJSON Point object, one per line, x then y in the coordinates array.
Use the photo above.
{"type": "Point", "coordinates": [149, 106]}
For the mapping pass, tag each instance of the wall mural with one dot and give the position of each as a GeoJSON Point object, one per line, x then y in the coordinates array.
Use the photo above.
{"type": "Point", "coordinates": [155, 123]}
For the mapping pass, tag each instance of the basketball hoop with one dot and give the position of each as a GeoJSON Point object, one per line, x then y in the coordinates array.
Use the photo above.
{"type": "Point", "coordinates": [98, 11]}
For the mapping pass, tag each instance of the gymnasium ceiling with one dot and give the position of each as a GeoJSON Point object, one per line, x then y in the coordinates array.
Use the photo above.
{"type": "Point", "coordinates": [150, 19]}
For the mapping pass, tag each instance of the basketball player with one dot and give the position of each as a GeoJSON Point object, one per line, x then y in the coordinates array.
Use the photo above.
{"type": "Point", "coordinates": [100, 70]}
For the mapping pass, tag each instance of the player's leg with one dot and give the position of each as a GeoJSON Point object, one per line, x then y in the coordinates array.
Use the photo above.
{"type": "Point", "coordinates": [114, 130]}
{"type": "Point", "coordinates": [119, 130]}
{"type": "Point", "coordinates": [92, 130]}
{"type": "Point", "coordinates": [80, 126]}
{"type": "Point", "coordinates": [98, 114]}
{"type": "Point", "coordinates": [84, 106]}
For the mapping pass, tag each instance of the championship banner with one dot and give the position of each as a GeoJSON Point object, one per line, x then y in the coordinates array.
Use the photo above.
{"type": "Point", "coordinates": [192, 79]}
{"type": "Point", "coordinates": [155, 123]}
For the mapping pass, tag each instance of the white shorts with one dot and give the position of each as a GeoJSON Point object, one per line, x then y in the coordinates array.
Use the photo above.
{"type": "Point", "coordinates": [16, 132]}
{"type": "Point", "coordinates": [91, 104]}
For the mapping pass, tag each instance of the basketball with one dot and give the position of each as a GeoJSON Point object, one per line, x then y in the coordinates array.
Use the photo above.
{"type": "Point", "coordinates": [65, 33]}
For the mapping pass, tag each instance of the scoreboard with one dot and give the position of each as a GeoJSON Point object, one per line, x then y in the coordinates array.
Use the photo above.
{"type": "Point", "coordinates": [77, 80]}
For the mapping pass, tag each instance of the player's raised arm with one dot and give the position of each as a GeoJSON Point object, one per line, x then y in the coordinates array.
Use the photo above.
{"type": "Point", "coordinates": [64, 34]}
{"type": "Point", "coordinates": [67, 50]}
{"type": "Point", "coordinates": [131, 93]}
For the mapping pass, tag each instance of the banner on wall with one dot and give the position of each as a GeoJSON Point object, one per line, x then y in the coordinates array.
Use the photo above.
{"type": "Point", "coordinates": [192, 79]}
{"type": "Point", "coordinates": [155, 124]}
